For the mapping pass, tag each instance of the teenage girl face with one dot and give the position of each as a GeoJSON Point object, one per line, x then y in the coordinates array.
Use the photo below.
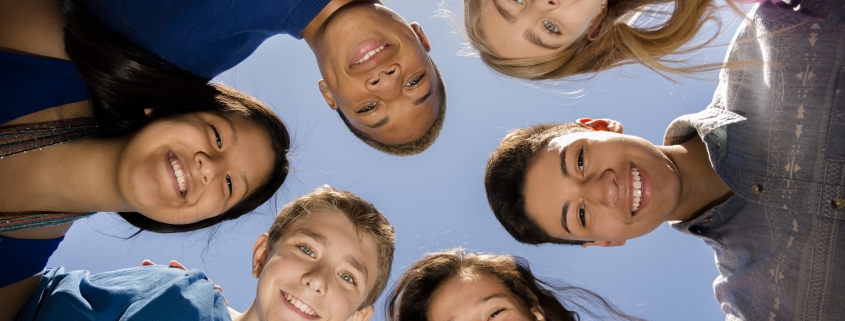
{"type": "Point", "coordinates": [477, 297]}
{"type": "Point", "coordinates": [536, 28]}
{"type": "Point", "coordinates": [190, 167]}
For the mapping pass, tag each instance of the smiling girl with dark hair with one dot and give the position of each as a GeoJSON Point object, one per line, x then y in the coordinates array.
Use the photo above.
{"type": "Point", "coordinates": [454, 285]}
{"type": "Point", "coordinates": [128, 134]}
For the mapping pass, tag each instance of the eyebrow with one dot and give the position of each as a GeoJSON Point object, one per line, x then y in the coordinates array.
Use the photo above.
{"type": "Point", "coordinates": [232, 127]}
{"type": "Point", "coordinates": [488, 298]}
{"type": "Point", "coordinates": [507, 15]}
{"type": "Point", "coordinates": [357, 265]}
{"type": "Point", "coordinates": [423, 98]}
{"type": "Point", "coordinates": [530, 36]}
{"type": "Point", "coordinates": [241, 172]}
{"type": "Point", "coordinates": [565, 209]}
{"type": "Point", "coordinates": [379, 123]}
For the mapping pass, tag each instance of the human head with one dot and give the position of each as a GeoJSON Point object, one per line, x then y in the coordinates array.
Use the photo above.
{"type": "Point", "coordinates": [378, 76]}
{"type": "Point", "coordinates": [416, 292]}
{"type": "Point", "coordinates": [237, 108]}
{"type": "Point", "coordinates": [603, 41]}
{"type": "Point", "coordinates": [368, 224]}
{"type": "Point", "coordinates": [129, 89]}
{"type": "Point", "coordinates": [580, 183]}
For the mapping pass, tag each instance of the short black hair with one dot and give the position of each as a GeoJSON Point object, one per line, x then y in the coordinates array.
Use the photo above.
{"type": "Point", "coordinates": [504, 179]}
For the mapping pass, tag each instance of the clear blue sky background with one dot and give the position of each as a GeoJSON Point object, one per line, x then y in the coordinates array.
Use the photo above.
{"type": "Point", "coordinates": [436, 200]}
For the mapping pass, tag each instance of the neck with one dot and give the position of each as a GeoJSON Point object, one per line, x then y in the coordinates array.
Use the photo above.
{"type": "Point", "coordinates": [314, 30]}
{"type": "Point", "coordinates": [251, 314]}
{"type": "Point", "coordinates": [76, 177]}
{"type": "Point", "coordinates": [701, 186]}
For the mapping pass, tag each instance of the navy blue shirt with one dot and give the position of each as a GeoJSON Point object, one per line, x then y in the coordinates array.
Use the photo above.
{"type": "Point", "coordinates": [204, 37]}
{"type": "Point", "coordinates": [140, 293]}
{"type": "Point", "coordinates": [29, 84]}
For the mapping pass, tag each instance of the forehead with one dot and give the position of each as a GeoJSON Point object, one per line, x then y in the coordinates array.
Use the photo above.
{"type": "Point", "coordinates": [253, 149]}
{"type": "Point", "coordinates": [341, 239]}
{"type": "Point", "coordinates": [461, 295]}
{"type": "Point", "coordinates": [543, 185]}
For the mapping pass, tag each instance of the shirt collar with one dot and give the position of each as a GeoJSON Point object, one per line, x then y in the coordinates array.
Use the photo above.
{"type": "Point", "coordinates": [701, 123]}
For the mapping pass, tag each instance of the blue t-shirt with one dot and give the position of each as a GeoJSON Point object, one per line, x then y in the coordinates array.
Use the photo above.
{"type": "Point", "coordinates": [140, 293]}
{"type": "Point", "coordinates": [204, 37]}
{"type": "Point", "coordinates": [29, 84]}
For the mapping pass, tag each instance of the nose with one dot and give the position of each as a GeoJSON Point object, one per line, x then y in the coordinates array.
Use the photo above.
{"type": "Point", "coordinates": [208, 167]}
{"type": "Point", "coordinates": [386, 80]}
{"type": "Point", "coordinates": [603, 189]}
{"type": "Point", "coordinates": [546, 4]}
{"type": "Point", "coordinates": [315, 281]}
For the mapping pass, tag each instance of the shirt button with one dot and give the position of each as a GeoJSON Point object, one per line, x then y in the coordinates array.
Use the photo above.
{"type": "Point", "coordinates": [718, 145]}
{"type": "Point", "coordinates": [838, 203]}
{"type": "Point", "coordinates": [756, 188]}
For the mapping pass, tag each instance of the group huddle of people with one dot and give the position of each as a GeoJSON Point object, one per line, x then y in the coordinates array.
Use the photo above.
{"type": "Point", "coordinates": [106, 106]}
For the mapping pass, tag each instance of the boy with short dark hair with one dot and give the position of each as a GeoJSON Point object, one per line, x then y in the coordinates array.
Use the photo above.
{"type": "Point", "coordinates": [759, 175]}
{"type": "Point", "coordinates": [326, 257]}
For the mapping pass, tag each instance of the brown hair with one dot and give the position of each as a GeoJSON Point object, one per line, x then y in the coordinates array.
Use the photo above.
{"type": "Point", "coordinates": [416, 146]}
{"type": "Point", "coordinates": [618, 43]}
{"type": "Point", "coordinates": [364, 216]}
{"type": "Point", "coordinates": [411, 294]}
{"type": "Point", "coordinates": [504, 179]}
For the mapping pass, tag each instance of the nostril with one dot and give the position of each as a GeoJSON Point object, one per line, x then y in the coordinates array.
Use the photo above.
{"type": "Point", "coordinates": [374, 82]}
{"type": "Point", "coordinates": [391, 71]}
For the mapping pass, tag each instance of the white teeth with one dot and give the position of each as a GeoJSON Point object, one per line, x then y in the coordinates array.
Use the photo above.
{"type": "Point", "coordinates": [370, 54]}
{"type": "Point", "coordinates": [300, 305]}
{"type": "Point", "coordinates": [180, 177]}
{"type": "Point", "coordinates": [638, 189]}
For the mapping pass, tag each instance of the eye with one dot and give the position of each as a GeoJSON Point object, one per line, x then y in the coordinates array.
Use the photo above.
{"type": "Point", "coordinates": [368, 107]}
{"type": "Point", "coordinates": [415, 81]}
{"type": "Point", "coordinates": [495, 313]}
{"type": "Point", "coordinates": [582, 215]}
{"type": "Point", "coordinates": [307, 250]}
{"type": "Point", "coordinates": [229, 183]}
{"type": "Point", "coordinates": [551, 27]}
{"type": "Point", "coordinates": [347, 277]}
{"type": "Point", "coordinates": [580, 160]}
{"type": "Point", "coordinates": [217, 137]}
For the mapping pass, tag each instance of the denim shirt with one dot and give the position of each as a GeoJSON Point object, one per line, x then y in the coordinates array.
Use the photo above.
{"type": "Point", "coordinates": [775, 134]}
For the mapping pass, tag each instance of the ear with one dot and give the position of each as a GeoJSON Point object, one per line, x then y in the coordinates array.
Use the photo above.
{"type": "Point", "coordinates": [538, 313]}
{"type": "Point", "coordinates": [604, 124]}
{"type": "Point", "coordinates": [259, 255]}
{"type": "Point", "coordinates": [327, 94]}
{"type": "Point", "coordinates": [421, 36]}
{"type": "Point", "coordinates": [604, 243]}
{"type": "Point", "coordinates": [594, 31]}
{"type": "Point", "coordinates": [362, 315]}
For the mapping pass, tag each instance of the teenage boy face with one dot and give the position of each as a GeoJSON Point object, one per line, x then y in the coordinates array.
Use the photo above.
{"type": "Point", "coordinates": [584, 186]}
{"type": "Point", "coordinates": [320, 270]}
{"type": "Point", "coordinates": [376, 69]}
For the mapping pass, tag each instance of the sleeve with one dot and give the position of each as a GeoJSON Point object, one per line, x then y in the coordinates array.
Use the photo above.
{"type": "Point", "coordinates": [24, 258]}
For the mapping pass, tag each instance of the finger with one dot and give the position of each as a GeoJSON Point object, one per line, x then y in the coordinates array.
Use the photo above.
{"type": "Point", "coordinates": [176, 264]}
{"type": "Point", "coordinates": [147, 263]}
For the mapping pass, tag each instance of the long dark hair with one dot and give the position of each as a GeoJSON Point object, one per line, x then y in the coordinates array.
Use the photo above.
{"type": "Point", "coordinates": [411, 294]}
{"type": "Point", "coordinates": [129, 88]}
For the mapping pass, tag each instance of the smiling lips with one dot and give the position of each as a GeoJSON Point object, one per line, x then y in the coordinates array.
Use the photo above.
{"type": "Point", "coordinates": [637, 191]}
{"type": "Point", "coordinates": [177, 170]}
{"type": "Point", "coordinates": [370, 54]}
{"type": "Point", "coordinates": [300, 305]}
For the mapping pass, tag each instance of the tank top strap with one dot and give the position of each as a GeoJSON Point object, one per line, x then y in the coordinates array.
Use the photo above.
{"type": "Point", "coordinates": [35, 220]}
{"type": "Point", "coordinates": [26, 137]}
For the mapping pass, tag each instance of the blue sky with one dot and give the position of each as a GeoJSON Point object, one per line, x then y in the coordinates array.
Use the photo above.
{"type": "Point", "coordinates": [436, 200]}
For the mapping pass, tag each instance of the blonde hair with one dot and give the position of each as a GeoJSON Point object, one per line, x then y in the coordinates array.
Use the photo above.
{"type": "Point", "coordinates": [363, 215]}
{"type": "Point", "coordinates": [618, 43]}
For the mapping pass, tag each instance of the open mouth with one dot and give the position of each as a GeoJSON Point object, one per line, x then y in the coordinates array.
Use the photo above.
{"type": "Point", "coordinates": [177, 171]}
{"type": "Point", "coordinates": [369, 54]}
{"type": "Point", "coordinates": [636, 190]}
{"type": "Point", "coordinates": [301, 306]}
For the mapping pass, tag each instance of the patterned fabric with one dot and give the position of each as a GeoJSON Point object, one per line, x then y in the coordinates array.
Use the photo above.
{"type": "Point", "coordinates": [28, 221]}
{"type": "Point", "coordinates": [776, 136]}
{"type": "Point", "coordinates": [23, 138]}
